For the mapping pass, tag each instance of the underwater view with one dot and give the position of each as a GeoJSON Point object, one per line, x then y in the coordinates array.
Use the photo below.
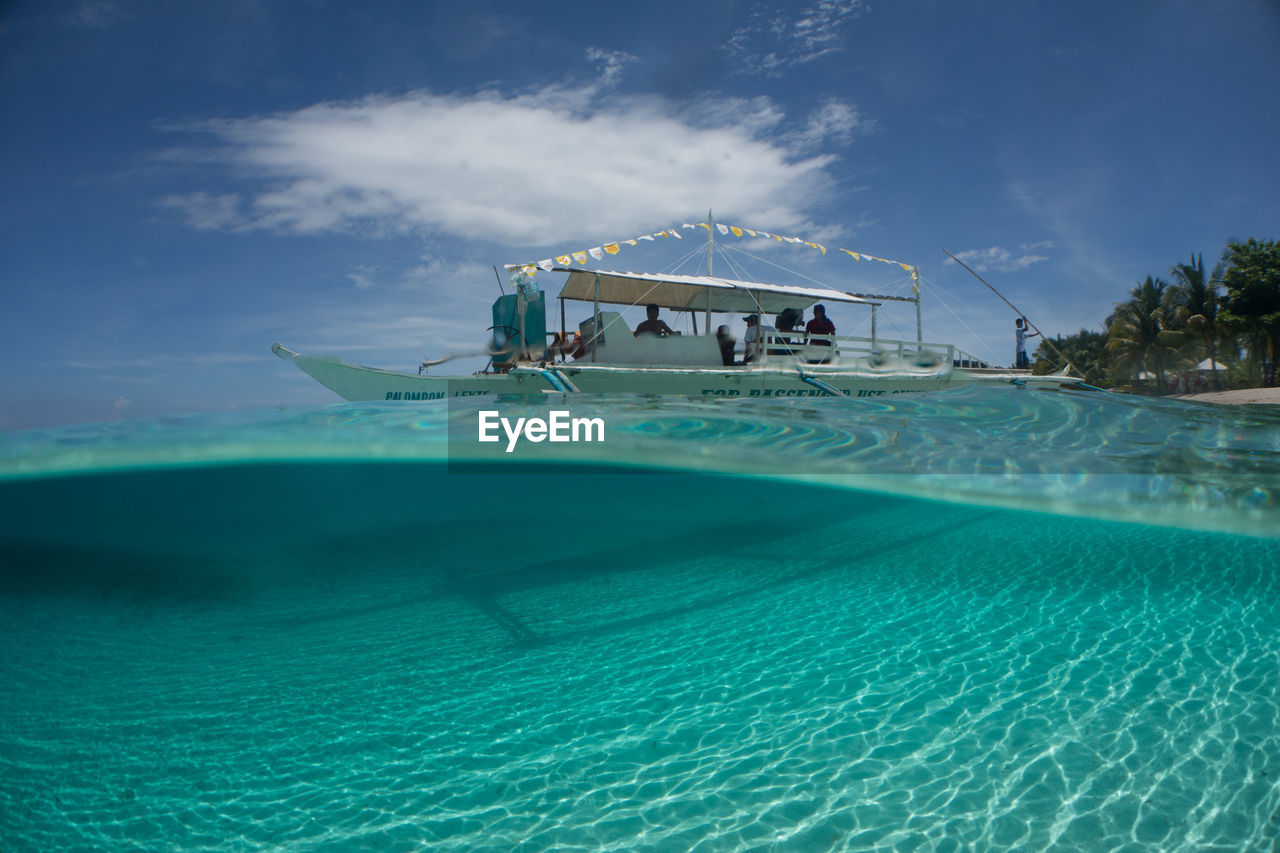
{"type": "Point", "coordinates": [980, 618]}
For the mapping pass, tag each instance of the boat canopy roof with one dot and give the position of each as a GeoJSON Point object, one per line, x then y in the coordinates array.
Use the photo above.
{"type": "Point", "coordinates": [695, 292]}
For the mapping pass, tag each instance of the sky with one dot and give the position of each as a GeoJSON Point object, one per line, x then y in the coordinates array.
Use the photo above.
{"type": "Point", "coordinates": [184, 183]}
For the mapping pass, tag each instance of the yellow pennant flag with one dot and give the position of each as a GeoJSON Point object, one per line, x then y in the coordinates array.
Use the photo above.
{"type": "Point", "coordinates": [737, 232]}
{"type": "Point", "coordinates": [611, 248]}
{"type": "Point", "coordinates": [580, 257]}
{"type": "Point", "coordinates": [563, 260]}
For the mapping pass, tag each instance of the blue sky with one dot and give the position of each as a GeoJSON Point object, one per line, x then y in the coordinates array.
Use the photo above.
{"type": "Point", "coordinates": [185, 183]}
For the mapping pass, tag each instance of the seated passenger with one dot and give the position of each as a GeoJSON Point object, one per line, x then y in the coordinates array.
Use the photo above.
{"type": "Point", "coordinates": [726, 345]}
{"type": "Point", "coordinates": [819, 325]}
{"type": "Point", "coordinates": [559, 346]}
{"type": "Point", "coordinates": [787, 321]}
{"type": "Point", "coordinates": [653, 326]}
{"type": "Point", "coordinates": [755, 337]}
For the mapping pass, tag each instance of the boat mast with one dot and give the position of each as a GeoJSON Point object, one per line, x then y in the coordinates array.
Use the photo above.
{"type": "Point", "coordinates": [711, 245]}
{"type": "Point", "coordinates": [915, 291]}
{"type": "Point", "coordinates": [711, 240]}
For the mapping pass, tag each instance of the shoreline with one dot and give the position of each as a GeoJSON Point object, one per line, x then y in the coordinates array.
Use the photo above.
{"type": "Point", "coordinates": [1239, 397]}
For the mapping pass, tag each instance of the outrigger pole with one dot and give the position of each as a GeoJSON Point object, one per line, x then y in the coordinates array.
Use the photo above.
{"type": "Point", "coordinates": [1042, 335]}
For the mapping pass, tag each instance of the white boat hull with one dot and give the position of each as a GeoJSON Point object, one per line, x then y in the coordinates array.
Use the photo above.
{"type": "Point", "coordinates": [775, 379]}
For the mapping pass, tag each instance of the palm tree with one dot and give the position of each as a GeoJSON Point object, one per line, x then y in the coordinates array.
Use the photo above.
{"type": "Point", "coordinates": [1085, 350]}
{"type": "Point", "coordinates": [1251, 302]}
{"type": "Point", "coordinates": [1197, 298]}
{"type": "Point", "coordinates": [1140, 333]}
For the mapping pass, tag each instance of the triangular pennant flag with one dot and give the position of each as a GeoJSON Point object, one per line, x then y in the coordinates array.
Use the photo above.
{"type": "Point", "coordinates": [546, 265]}
{"type": "Point", "coordinates": [906, 267]}
{"type": "Point", "coordinates": [580, 257]}
{"type": "Point", "coordinates": [721, 228]}
{"type": "Point", "coordinates": [853, 255]}
{"type": "Point", "coordinates": [674, 233]}
{"type": "Point", "coordinates": [563, 260]}
{"type": "Point", "coordinates": [631, 242]}
{"type": "Point", "coordinates": [596, 253]}
{"type": "Point", "coordinates": [529, 269]}
{"type": "Point", "coordinates": [749, 231]}
{"type": "Point", "coordinates": [648, 237]}
{"type": "Point", "coordinates": [737, 232]}
{"type": "Point", "coordinates": [705, 225]}
{"type": "Point", "coordinates": [612, 248]}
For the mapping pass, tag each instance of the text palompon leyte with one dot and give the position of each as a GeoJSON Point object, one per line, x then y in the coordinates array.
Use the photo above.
{"type": "Point", "coordinates": [559, 426]}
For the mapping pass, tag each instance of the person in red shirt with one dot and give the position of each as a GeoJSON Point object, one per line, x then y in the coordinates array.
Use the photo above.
{"type": "Point", "coordinates": [819, 325]}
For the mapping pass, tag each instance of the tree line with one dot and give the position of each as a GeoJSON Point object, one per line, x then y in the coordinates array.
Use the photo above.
{"type": "Point", "coordinates": [1197, 330]}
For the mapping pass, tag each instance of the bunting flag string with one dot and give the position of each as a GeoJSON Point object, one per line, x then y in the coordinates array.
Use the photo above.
{"type": "Point", "coordinates": [598, 252]}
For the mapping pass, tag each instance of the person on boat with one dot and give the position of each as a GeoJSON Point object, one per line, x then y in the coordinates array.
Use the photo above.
{"type": "Point", "coordinates": [1021, 333]}
{"type": "Point", "coordinates": [755, 336]}
{"type": "Point", "coordinates": [653, 326]}
{"type": "Point", "coordinates": [726, 342]}
{"type": "Point", "coordinates": [819, 325]}
{"type": "Point", "coordinates": [786, 322]}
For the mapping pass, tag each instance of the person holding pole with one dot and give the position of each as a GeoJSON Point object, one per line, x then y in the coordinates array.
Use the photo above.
{"type": "Point", "coordinates": [1020, 331]}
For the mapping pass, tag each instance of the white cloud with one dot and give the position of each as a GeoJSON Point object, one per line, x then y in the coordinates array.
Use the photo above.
{"type": "Point", "coordinates": [544, 166]}
{"type": "Point", "coordinates": [364, 277]}
{"type": "Point", "coordinates": [772, 41]}
{"type": "Point", "coordinates": [610, 62]}
{"type": "Point", "coordinates": [1004, 260]}
{"type": "Point", "coordinates": [208, 212]}
{"type": "Point", "coordinates": [833, 121]}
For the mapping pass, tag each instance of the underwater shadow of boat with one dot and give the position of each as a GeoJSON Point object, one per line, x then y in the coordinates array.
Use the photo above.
{"type": "Point", "coordinates": [489, 592]}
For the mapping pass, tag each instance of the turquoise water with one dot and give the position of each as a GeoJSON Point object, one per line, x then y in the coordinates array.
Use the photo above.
{"type": "Point", "coordinates": [939, 622]}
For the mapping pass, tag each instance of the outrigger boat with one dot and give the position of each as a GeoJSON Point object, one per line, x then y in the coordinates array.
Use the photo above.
{"type": "Point", "coordinates": [604, 356]}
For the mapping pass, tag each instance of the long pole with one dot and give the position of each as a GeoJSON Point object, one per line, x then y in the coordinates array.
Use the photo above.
{"type": "Point", "coordinates": [1042, 335]}
{"type": "Point", "coordinates": [915, 290]}
{"type": "Point", "coordinates": [711, 246]}
{"type": "Point", "coordinates": [711, 240]}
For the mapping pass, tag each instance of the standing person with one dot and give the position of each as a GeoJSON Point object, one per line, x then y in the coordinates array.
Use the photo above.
{"type": "Point", "coordinates": [1020, 331]}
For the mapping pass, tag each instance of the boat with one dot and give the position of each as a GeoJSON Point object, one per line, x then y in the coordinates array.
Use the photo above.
{"type": "Point", "coordinates": [603, 355]}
